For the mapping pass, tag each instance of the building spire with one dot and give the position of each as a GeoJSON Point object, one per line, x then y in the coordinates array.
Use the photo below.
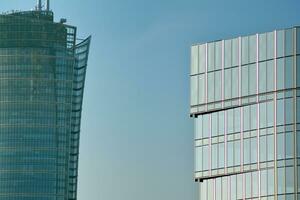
{"type": "Point", "coordinates": [48, 5]}
{"type": "Point", "coordinates": [39, 5]}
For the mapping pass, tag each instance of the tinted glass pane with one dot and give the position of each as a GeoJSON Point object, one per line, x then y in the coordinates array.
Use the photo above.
{"type": "Point", "coordinates": [247, 151]}
{"type": "Point", "coordinates": [237, 152]}
{"type": "Point", "coordinates": [214, 124]}
{"type": "Point", "coordinates": [202, 58]}
{"type": "Point", "coordinates": [289, 197]}
{"type": "Point", "coordinates": [230, 118]}
{"type": "Point", "coordinates": [289, 111]}
{"type": "Point", "coordinates": [270, 114]}
{"type": "Point", "coordinates": [280, 146]}
{"type": "Point", "coordinates": [205, 158]}
{"type": "Point", "coordinates": [221, 123]}
{"type": "Point", "coordinates": [253, 109]}
{"type": "Point", "coordinates": [280, 73]}
{"type": "Point", "coordinates": [218, 55]}
{"type": "Point", "coordinates": [210, 86]}
{"type": "Point", "coordinates": [280, 176]}
{"type": "Point", "coordinates": [203, 190]}
{"type": "Point", "coordinates": [194, 90]}
{"type": "Point", "coordinates": [280, 43]}
{"type": "Point", "coordinates": [298, 70]}
{"type": "Point", "coordinates": [262, 77]}
{"type": "Point", "coordinates": [227, 57]}
{"type": "Point", "coordinates": [263, 149]}
{"type": "Point", "coordinates": [270, 147]}
{"type": "Point", "coordinates": [237, 120]}
{"type": "Point", "coordinates": [248, 183]}
{"type": "Point", "coordinates": [239, 186]}
{"type": "Point", "coordinates": [194, 60]}
{"type": "Point", "coordinates": [255, 184]}
{"type": "Point", "coordinates": [245, 50]}
{"type": "Point", "coordinates": [225, 188]}
{"type": "Point", "coordinates": [227, 83]}
{"type": "Point", "coordinates": [262, 46]}
{"type": "Point", "coordinates": [235, 52]}
{"type": "Point", "coordinates": [288, 42]}
{"type": "Point", "coordinates": [252, 48]}
{"type": "Point", "coordinates": [214, 156]}
{"type": "Point", "coordinates": [252, 79]}
{"type": "Point", "coordinates": [245, 82]}
{"type": "Point", "coordinates": [210, 189]}
{"type": "Point", "coordinates": [289, 145]}
{"type": "Point", "coordinates": [271, 182]}
{"type": "Point", "coordinates": [206, 126]}
{"type": "Point", "coordinates": [298, 40]}
{"type": "Point", "coordinates": [218, 85]}
{"type": "Point", "coordinates": [270, 45]}
{"type": "Point", "coordinates": [289, 179]}
{"type": "Point", "coordinates": [198, 158]}
{"type": "Point", "coordinates": [221, 155]}
{"type": "Point", "coordinates": [270, 75]}
{"type": "Point", "coordinates": [235, 82]}
{"type": "Point", "coordinates": [298, 110]}
{"type": "Point", "coordinates": [246, 117]}
{"type": "Point", "coordinates": [263, 115]}
{"type": "Point", "coordinates": [253, 150]}
{"type": "Point", "coordinates": [298, 145]}
{"type": "Point", "coordinates": [298, 169]}
{"type": "Point", "coordinates": [288, 72]}
{"type": "Point", "coordinates": [233, 187]}
{"type": "Point", "coordinates": [218, 189]}
{"type": "Point", "coordinates": [263, 182]}
{"type": "Point", "coordinates": [201, 89]}
{"type": "Point", "coordinates": [280, 112]}
{"type": "Point", "coordinates": [211, 57]}
{"type": "Point", "coordinates": [230, 153]}
{"type": "Point", "coordinates": [198, 127]}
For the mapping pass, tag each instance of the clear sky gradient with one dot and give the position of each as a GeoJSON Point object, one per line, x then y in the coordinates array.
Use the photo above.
{"type": "Point", "coordinates": [137, 137]}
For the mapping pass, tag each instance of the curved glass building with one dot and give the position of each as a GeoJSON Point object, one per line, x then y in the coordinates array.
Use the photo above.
{"type": "Point", "coordinates": [42, 74]}
{"type": "Point", "coordinates": [245, 101]}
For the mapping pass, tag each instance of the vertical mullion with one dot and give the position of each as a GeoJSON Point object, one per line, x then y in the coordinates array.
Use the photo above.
{"type": "Point", "coordinates": [240, 68]}
{"type": "Point", "coordinates": [222, 71]}
{"type": "Point", "coordinates": [242, 139]}
{"type": "Point", "coordinates": [244, 185]}
{"type": "Point", "coordinates": [225, 140]}
{"type": "Point", "coordinates": [206, 81]}
{"type": "Point", "coordinates": [275, 115]}
{"type": "Point", "coordinates": [257, 55]}
{"type": "Point", "coordinates": [294, 112]}
{"type": "Point", "coordinates": [210, 145]}
{"type": "Point", "coordinates": [258, 117]}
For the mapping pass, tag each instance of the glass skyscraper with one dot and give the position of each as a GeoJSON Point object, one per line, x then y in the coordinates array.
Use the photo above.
{"type": "Point", "coordinates": [245, 101]}
{"type": "Point", "coordinates": [42, 74]}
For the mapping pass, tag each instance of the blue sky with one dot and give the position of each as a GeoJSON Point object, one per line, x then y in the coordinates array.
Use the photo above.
{"type": "Point", "coordinates": [137, 137]}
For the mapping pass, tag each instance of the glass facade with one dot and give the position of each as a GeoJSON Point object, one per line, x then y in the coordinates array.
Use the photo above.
{"type": "Point", "coordinates": [245, 103]}
{"type": "Point", "coordinates": [42, 73]}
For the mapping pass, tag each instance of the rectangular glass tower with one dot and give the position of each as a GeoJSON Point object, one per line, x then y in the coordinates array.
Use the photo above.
{"type": "Point", "coordinates": [245, 101]}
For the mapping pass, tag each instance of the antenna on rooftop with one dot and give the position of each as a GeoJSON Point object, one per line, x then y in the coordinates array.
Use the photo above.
{"type": "Point", "coordinates": [48, 5]}
{"type": "Point", "coordinates": [39, 5]}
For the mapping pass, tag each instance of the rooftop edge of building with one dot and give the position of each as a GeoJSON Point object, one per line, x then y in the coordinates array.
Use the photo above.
{"type": "Point", "coordinates": [218, 40]}
{"type": "Point", "coordinates": [32, 14]}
